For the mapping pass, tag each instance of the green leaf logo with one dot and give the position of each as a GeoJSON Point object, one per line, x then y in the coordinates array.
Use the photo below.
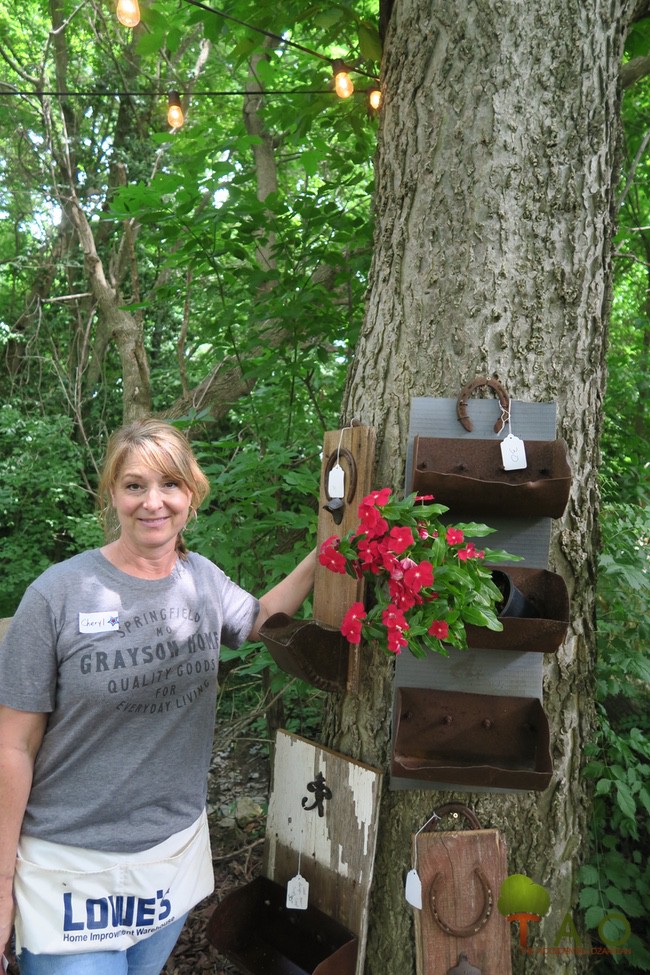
{"type": "Point", "coordinates": [521, 895]}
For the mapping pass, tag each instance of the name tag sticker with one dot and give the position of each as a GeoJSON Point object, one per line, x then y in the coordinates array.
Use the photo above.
{"type": "Point", "coordinates": [99, 622]}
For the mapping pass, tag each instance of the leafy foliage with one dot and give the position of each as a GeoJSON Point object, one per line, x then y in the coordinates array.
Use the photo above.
{"type": "Point", "coordinates": [617, 877]}
{"type": "Point", "coordinates": [43, 508]}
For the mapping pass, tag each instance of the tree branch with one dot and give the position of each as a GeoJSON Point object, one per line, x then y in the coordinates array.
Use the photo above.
{"type": "Point", "coordinates": [634, 70]}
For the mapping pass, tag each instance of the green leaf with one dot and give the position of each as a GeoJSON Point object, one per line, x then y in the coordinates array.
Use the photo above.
{"type": "Point", "coordinates": [588, 897]}
{"type": "Point", "coordinates": [625, 800]}
{"type": "Point", "coordinates": [151, 43]}
{"type": "Point", "coordinates": [312, 161]}
{"type": "Point", "coordinates": [594, 915]}
{"type": "Point", "coordinates": [589, 875]}
{"type": "Point", "coordinates": [327, 18]}
{"type": "Point", "coordinates": [369, 42]}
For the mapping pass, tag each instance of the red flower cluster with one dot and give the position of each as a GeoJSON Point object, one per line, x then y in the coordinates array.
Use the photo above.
{"type": "Point", "coordinates": [403, 547]}
{"type": "Point", "coordinates": [379, 552]}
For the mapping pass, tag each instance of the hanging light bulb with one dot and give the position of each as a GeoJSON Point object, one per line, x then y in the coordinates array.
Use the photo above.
{"type": "Point", "coordinates": [175, 115]}
{"type": "Point", "coordinates": [342, 81]}
{"type": "Point", "coordinates": [375, 98]}
{"type": "Point", "coordinates": [128, 12]}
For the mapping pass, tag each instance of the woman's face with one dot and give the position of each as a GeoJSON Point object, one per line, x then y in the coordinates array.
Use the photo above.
{"type": "Point", "coordinates": [151, 507]}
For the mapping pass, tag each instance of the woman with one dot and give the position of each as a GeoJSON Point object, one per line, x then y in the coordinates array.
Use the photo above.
{"type": "Point", "coordinates": [108, 678]}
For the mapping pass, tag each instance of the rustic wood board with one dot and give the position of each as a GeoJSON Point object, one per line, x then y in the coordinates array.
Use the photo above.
{"type": "Point", "coordinates": [447, 863]}
{"type": "Point", "coordinates": [336, 851]}
{"type": "Point", "coordinates": [334, 593]}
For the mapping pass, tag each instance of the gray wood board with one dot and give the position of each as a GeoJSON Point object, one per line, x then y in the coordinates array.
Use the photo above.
{"type": "Point", "coordinates": [480, 671]}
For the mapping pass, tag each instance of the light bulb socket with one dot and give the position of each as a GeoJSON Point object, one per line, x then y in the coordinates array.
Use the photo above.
{"type": "Point", "coordinates": [342, 82]}
{"type": "Point", "coordinates": [128, 13]}
{"type": "Point", "coordinates": [375, 99]}
{"type": "Point", "coordinates": [174, 110]}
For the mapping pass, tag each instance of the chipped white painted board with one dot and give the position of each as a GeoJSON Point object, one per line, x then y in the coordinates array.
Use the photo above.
{"type": "Point", "coordinates": [336, 851]}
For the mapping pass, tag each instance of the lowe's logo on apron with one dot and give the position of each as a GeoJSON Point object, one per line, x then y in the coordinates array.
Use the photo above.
{"type": "Point", "coordinates": [98, 919]}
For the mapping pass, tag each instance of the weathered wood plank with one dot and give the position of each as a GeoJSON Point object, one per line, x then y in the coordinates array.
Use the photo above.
{"type": "Point", "coordinates": [461, 874]}
{"type": "Point", "coordinates": [334, 852]}
{"type": "Point", "coordinates": [354, 447]}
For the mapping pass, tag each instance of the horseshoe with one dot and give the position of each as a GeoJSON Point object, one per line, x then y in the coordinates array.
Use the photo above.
{"type": "Point", "coordinates": [474, 926]}
{"type": "Point", "coordinates": [455, 809]}
{"type": "Point", "coordinates": [466, 392]}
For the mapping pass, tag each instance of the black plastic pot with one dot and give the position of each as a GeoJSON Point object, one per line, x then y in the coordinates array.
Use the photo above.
{"type": "Point", "coordinates": [537, 618]}
{"type": "Point", "coordinates": [513, 603]}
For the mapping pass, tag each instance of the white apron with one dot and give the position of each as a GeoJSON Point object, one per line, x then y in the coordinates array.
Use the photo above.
{"type": "Point", "coordinates": [71, 900]}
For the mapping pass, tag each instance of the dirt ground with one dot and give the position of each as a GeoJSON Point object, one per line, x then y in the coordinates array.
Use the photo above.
{"type": "Point", "coordinates": [237, 800]}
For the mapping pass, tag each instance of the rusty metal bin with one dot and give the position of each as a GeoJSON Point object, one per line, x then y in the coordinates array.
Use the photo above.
{"type": "Point", "coordinates": [255, 930]}
{"type": "Point", "coordinates": [547, 595]}
{"type": "Point", "coordinates": [312, 651]}
{"type": "Point", "coordinates": [468, 475]}
{"type": "Point", "coordinates": [471, 739]}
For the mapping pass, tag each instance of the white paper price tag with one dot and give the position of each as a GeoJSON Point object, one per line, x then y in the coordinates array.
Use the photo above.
{"type": "Point", "coordinates": [336, 482]}
{"type": "Point", "coordinates": [513, 453]}
{"type": "Point", "coordinates": [297, 893]}
{"type": "Point", "coordinates": [413, 889]}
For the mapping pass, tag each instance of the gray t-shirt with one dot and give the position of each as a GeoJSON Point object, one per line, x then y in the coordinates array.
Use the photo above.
{"type": "Point", "coordinates": [127, 669]}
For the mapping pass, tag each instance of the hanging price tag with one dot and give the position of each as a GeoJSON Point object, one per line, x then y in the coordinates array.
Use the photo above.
{"type": "Point", "coordinates": [336, 482]}
{"type": "Point", "coordinates": [513, 453]}
{"type": "Point", "coordinates": [297, 893]}
{"type": "Point", "coordinates": [413, 889]}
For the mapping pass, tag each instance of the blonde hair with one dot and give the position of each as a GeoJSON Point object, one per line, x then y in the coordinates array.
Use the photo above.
{"type": "Point", "coordinates": [160, 446]}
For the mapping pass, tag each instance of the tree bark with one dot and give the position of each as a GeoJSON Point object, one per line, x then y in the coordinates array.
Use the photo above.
{"type": "Point", "coordinates": [494, 214]}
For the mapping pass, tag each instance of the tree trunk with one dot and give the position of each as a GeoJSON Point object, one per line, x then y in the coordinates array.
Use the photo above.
{"type": "Point", "coordinates": [495, 176]}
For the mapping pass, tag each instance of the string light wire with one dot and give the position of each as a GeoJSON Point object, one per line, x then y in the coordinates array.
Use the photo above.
{"type": "Point", "coordinates": [277, 37]}
{"type": "Point", "coordinates": [163, 94]}
{"type": "Point", "coordinates": [336, 63]}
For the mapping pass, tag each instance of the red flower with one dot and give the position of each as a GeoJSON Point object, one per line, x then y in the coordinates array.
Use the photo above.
{"type": "Point", "coordinates": [469, 552]}
{"type": "Point", "coordinates": [396, 641]}
{"type": "Point", "coordinates": [351, 625]}
{"type": "Point", "coordinates": [393, 618]}
{"type": "Point", "coordinates": [330, 557]}
{"type": "Point", "coordinates": [455, 536]}
{"type": "Point", "coordinates": [400, 538]}
{"type": "Point", "coordinates": [370, 555]}
{"type": "Point", "coordinates": [439, 629]}
{"type": "Point", "coordinates": [403, 598]}
{"type": "Point", "coordinates": [370, 522]}
{"type": "Point", "coordinates": [380, 498]}
{"type": "Point", "coordinates": [419, 577]}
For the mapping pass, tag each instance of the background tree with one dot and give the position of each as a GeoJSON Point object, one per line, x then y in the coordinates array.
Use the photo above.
{"type": "Point", "coordinates": [496, 180]}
